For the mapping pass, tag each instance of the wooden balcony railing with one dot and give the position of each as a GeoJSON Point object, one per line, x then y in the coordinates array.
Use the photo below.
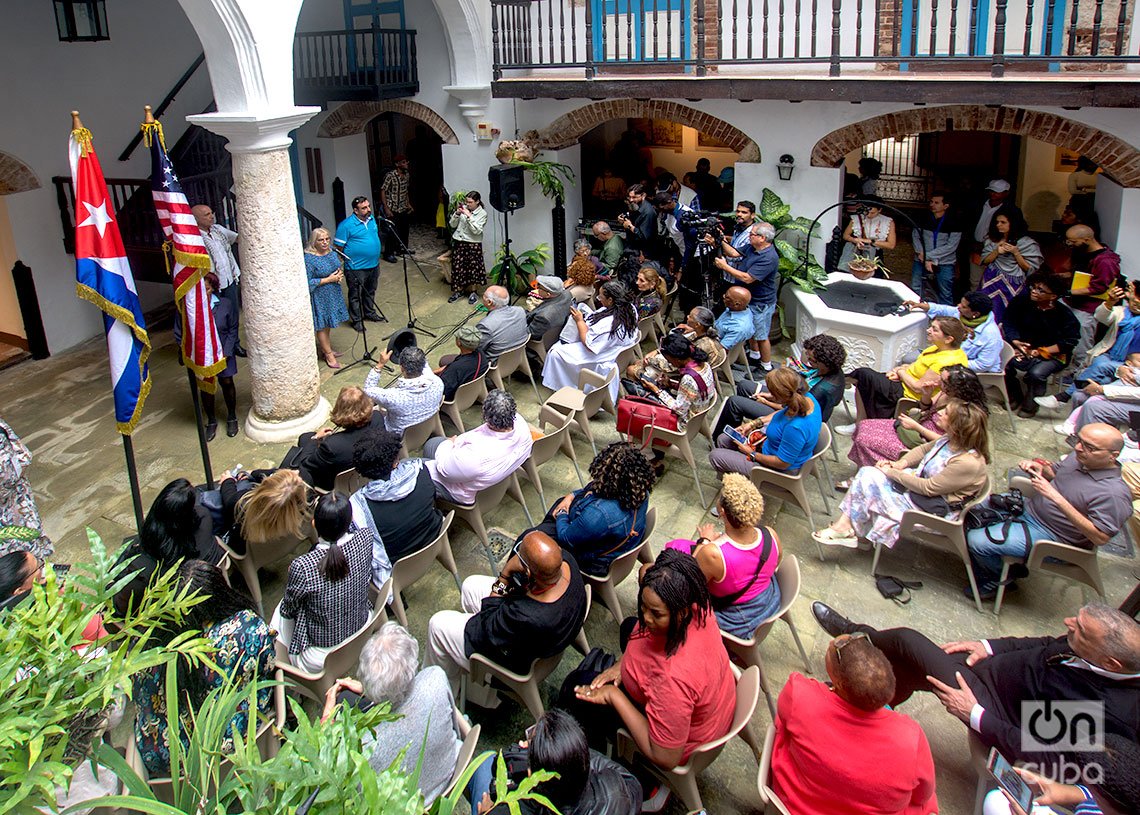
{"type": "Point", "coordinates": [692, 36]}
{"type": "Point", "coordinates": [352, 66]}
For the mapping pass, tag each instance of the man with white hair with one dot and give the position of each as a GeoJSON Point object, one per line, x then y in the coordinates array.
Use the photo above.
{"type": "Point", "coordinates": [504, 327]}
{"type": "Point", "coordinates": [415, 396]}
{"type": "Point", "coordinates": [463, 465]}
{"type": "Point", "coordinates": [612, 245]}
{"type": "Point", "coordinates": [757, 269]}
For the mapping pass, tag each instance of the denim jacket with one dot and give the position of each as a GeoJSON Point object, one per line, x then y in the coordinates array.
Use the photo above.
{"type": "Point", "coordinates": [595, 530]}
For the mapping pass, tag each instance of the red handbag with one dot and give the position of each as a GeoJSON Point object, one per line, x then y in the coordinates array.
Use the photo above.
{"type": "Point", "coordinates": [635, 413]}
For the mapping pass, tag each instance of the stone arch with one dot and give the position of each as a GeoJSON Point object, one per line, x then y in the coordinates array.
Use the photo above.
{"type": "Point", "coordinates": [351, 117]}
{"type": "Point", "coordinates": [1119, 160]}
{"type": "Point", "coordinates": [567, 130]}
{"type": "Point", "coordinates": [16, 176]}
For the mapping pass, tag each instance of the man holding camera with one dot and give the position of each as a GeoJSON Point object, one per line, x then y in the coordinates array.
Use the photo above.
{"type": "Point", "coordinates": [640, 222]}
{"type": "Point", "coordinates": [1081, 500]}
{"type": "Point", "coordinates": [757, 269]}
{"type": "Point", "coordinates": [533, 609]}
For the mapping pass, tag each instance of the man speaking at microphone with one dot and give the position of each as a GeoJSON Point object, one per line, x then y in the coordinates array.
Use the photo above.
{"type": "Point", "coordinates": [359, 240]}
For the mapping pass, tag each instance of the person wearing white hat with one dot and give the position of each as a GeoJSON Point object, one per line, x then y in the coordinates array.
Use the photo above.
{"type": "Point", "coordinates": [998, 190]}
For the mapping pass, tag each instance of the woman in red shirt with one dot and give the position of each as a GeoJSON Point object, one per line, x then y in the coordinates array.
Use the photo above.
{"type": "Point", "coordinates": [673, 688]}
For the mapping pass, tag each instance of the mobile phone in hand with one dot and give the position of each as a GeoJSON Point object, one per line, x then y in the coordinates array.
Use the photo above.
{"type": "Point", "coordinates": [1009, 780]}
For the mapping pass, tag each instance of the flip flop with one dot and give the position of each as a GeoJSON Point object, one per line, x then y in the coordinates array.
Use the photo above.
{"type": "Point", "coordinates": [843, 486]}
{"type": "Point", "coordinates": [829, 537]}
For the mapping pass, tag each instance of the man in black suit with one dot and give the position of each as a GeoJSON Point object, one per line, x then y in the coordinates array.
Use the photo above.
{"type": "Point", "coordinates": [984, 682]}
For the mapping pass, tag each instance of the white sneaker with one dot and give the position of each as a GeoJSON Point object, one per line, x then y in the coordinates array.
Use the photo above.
{"type": "Point", "coordinates": [846, 429]}
{"type": "Point", "coordinates": [1060, 430]}
{"type": "Point", "coordinates": [1050, 402]}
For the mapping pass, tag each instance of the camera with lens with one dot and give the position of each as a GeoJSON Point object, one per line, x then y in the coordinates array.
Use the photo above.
{"type": "Point", "coordinates": [704, 222]}
{"type": "Point", "coordinates": [1012, 502]}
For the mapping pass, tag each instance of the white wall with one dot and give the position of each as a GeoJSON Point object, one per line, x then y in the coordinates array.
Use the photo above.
{"type": "Point", "coordinates": [1119, 211]}
{"type": "Point", "coordinates": [1042, 190]}
{"type": "Point", "coordinates": [151, 44]}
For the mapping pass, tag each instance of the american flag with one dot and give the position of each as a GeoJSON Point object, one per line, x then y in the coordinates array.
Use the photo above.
{"type": "Point", "coordinates": [201, 345]}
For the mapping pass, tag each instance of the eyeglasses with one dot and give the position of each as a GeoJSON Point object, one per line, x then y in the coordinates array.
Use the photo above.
{"type": "Point", "coordinates": [1075, 441]}
{"type": "Point", "coordinates": [839, 646]}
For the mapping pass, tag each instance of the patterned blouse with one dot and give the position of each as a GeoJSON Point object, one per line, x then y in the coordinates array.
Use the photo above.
{"type": "Point", "coordinates": [688, 398]}
{"type": "Point", "coordinates": [244, 646]}
{"type": "Point", "coordinates": [17, 506]}
{"type": "Point", "coordinates": [328, 613]}
{"type": "Point", "coordinates": [648, 303]}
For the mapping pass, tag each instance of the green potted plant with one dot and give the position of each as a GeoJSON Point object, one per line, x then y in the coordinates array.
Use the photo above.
{"type": "Point", "coordinates": [798, 266]}
{"type": "Point", "coordinates": [530, 264]}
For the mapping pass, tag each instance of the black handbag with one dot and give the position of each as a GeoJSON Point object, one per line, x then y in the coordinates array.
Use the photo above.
{"type": "Point", "coordinates": [892, 588]}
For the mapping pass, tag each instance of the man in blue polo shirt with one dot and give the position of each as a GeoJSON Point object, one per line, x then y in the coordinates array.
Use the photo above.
{"type": "Point", "coordinates": [757, 270]}
{"type": "Point", "coordinates": [359, 239]}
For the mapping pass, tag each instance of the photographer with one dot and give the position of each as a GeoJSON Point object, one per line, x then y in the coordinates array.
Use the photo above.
{"type": "Point", "coordinates": [533, 609]}
{"type": "Point", "coordinates": [677, 232]}
{"type": "Point", "coordinates": [640, 222]}
{"type": "Point", "coordinates": [757, 269]}
{"type": "Point", "coordinates": [735, 246]}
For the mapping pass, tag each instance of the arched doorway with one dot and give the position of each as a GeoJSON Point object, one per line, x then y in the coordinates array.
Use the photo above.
{"type": "Point", "coordinates": [15, 177]}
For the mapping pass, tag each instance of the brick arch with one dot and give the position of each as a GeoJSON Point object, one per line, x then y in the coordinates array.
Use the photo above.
{"type": "Point", "coordinates": [567, 130]}
{"type": "Point", "coordinates": [1119, 160]}
{"type": "Point", "coordinates": [16, 176]}
{"type": "Point", "coordinates": [350, 118]}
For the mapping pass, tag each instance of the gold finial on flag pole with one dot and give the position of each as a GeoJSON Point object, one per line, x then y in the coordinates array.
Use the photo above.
{"type": "Point", "coordinates": [75, 123]}
{"type": "Point", "coordinates": [148, 117]}
{"type": "Point", "coordinates": [81, 134]}
{"type": "Point", "coordinates": [150, 126]}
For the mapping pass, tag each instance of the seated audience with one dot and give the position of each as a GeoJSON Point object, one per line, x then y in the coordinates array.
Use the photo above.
{"type": "Point", "coordinates": [1081, 500]}
{"type": "Point", "coordinates": [1109, 354]}
{"type": "Point", "coordinates": [588, 783]}
{"type": "Point", "coordinates": [504, 327]}
{"type": "Point", "coordinates": [650, 294]}
{"type": "Point", "coordinates": [606, 518]}
{"type": "Point", "coordinates": [610, 246]}
{"type": "Point", "coordinates": [177, 527]}
{"type": "Point", "coordinates": [700, 327]}
{"type": "Point", "coordinates": [672, 688]}
{"type": "Point", "coordinates": [695, 388]}
{"type": "Point", "coordinates": [547, 318]}
{"type": "Point", "coordinates": [415, 396]}
{"type": "Point", "coordinates": [880, 393]}
{"type": "Point", "coordinates": [1113, 403]}
{"type": "Point", "coordinates": [597, 340]}
{"type": "Point", "coordinates": [1043, 334]}
{"type": "Point", "coordinates": [326, 593]}
{"type": "Point", "coordinates": [886, 439]}
{"type": "Point", "coordinates": [324, 455]}
{"type": "Point", "coordinates": [840, 749]}
{"type": "Point", "coordinates": [463, 465]}
{"type": "Point", "coordinates": [398, 503]}
{"type": "Point", "coordinates": [734, 325]}
{"type": "Point", "coordinates": [1116, 792]}
{"type": "Point", "coordinates": [582, 272]}
{"type": "Point", "coordinates": [421, 699]}
{"type": "Point", "coordinates": [783, 440]}
{"type": "Point", "coordinates": [822, 368]}
{"type": "Point", "coordinates": [533, 609]}
{"type": "Point", "coordinates": [243, 651]}
{"type": "Point", "coordinates": [740, 562]}
{"type": "Point", "coordinates": [936, 477]}
{"type": "Point", "coordinates": [983, 683]}
{"type": "Point", "coordinates": [466, 366]}
{"type": "Point", "coordinates": [276, 508]}
{"type": "Point", "coordinates": [983, 343]}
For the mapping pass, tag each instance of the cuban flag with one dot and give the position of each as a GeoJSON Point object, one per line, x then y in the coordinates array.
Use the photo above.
{"type": "Point", "coordinates": [103, 277]}
{"type": "Point", "coordinates": [187, 261]}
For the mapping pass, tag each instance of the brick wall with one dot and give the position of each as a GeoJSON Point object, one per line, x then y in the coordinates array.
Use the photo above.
{"type": "Point", "coordinates": [1119, 160]}
{"type": "Point", "coordinates": [351, 118]}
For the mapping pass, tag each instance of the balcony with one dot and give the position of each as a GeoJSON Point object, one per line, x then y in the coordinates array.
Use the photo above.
{"type": "Point", "coordinates": [1082, 51]}
{"type": "Point", "coordinates": [366, 65]}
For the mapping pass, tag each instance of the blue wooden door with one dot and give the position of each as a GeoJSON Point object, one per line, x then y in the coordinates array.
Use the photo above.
{"type": "Point", "coordinates": [628, 27]}
{"type": "Point", "coordinates": [975, 22]}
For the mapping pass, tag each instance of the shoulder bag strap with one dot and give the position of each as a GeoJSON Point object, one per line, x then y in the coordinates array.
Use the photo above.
{"type": "Point", "coordinates": [765, 552]}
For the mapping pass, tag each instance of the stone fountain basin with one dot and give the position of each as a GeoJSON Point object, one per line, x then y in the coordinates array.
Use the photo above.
{"type": "Point", "coordinates": [860, 314]}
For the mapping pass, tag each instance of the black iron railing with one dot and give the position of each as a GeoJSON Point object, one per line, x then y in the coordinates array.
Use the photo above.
{"type": "Point", "coordinates": [365, 65]}
{"type": "Point", "coordinates": [689, 36]}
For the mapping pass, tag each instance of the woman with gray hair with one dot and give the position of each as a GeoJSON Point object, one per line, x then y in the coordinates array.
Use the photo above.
{"type": "Point", "coordinates": [423, 700]}
{"type": "Point", "coordinates": [324, 271]}
{"type": "Point", "coordinates": [480, 458]}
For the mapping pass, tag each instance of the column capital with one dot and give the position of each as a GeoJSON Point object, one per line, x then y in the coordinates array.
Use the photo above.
{"type": "Point", "coordinates": [473, 102]}
{"type": "Point", "coordinates": [252, 132]}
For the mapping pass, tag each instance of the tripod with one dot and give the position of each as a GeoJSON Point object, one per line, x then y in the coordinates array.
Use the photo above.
{"type": "Point", "coordinates": [367, 355]}
{"type": "Point", "coordinates": [509, 270]}
{"type": "Point", "coordinates": [412, 320]}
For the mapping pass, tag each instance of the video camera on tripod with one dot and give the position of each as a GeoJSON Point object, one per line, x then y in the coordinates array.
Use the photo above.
{"type": "Point", "coordinates": [705, 224]}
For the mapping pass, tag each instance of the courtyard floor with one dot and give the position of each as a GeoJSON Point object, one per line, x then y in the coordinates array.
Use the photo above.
{"type": "Point", "coordinates": [61, 407]}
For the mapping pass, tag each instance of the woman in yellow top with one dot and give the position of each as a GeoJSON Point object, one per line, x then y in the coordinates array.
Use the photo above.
{"type": "Point", "coordinates": [880, 392]}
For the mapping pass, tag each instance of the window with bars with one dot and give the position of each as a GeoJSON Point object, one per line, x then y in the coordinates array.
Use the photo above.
{"type": "Point", "coordinates": [81, 20]}
{"type": "Point", "coordinates": [902, 179]}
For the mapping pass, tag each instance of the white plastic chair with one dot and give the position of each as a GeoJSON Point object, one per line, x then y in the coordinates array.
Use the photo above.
{"type": "Point", "coordinates": [410, 568]}
{"type": "Point", "coordinates": [578, 404]}
{"type": "Point", "coordinates": [417, 435]}
{"type": "Point", "coordinates": [486, 500]}
{"type": "Point", "coordinates": [466, 395]}
{"type": "Point", "coordinates": [263, 554]}
{"type": "Point", "coordinates": [606, 585]}
{"type": "Point", "coordinates": [544, 449]}
{"type": "Point", "coordinates": [680, 442]}
{"type": "Point", "coordinates": [510, 361]}
{"type": "Point", "coordinates": [767, 796]}
{"type": "Point", "coordinates": [997, 381]}
{"type": "Point", "coordinates": [349, 481]}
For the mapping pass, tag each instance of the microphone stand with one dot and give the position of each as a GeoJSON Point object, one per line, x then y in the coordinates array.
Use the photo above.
{"type": "Point", "coordinates": [367, 355]}
{"type": "Point", "coordinates": [412, 320]}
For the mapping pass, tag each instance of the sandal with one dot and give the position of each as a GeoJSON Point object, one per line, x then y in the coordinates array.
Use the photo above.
{"type": "Point", "coordinates": [843, 486]}
{"type": "Point", "coordinates": [829, 537]}
{"type": "Point", "coordinates": [330, 360]}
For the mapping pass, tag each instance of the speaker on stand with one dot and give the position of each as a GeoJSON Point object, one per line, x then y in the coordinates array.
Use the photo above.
{"type": "Point", "coordinates": [507, 193]}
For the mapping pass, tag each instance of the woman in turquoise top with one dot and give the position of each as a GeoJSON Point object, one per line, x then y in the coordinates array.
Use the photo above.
{"type": "Point", "coordinates": [786, 438]}
{"type": "Point", "coordinates": [325, 274]}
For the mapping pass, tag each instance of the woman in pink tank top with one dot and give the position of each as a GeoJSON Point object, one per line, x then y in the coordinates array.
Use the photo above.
{"type": "Point", "coordinates": [740, 563]}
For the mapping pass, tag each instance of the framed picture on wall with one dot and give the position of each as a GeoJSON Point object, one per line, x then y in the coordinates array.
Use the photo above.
{"type": "Point", "coordinates": [706, 140]}
{"type": "Point", "coordinates": [658, 132]}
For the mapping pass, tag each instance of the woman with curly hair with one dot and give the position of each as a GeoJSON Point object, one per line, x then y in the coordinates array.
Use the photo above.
{"type": "Point", "coordinates": [886, 439]}
{"type": "Point", "coordinates": [582, 273]}
{"type": "Point", "coordinates": [740, 562]}
{"type": "Point", "coordinates": [673, 688]}
{"type": "Point", "coordinates": [592, 339]}
{"type": "Point", "coordinates": [606, 518]}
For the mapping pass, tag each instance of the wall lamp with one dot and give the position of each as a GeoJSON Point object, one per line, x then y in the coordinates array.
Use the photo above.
{"type": "Point", "coordinates": [786, 166]}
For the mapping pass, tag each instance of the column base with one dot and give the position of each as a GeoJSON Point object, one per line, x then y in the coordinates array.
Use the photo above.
{"type": "Point", "coordinates": [264, 430]}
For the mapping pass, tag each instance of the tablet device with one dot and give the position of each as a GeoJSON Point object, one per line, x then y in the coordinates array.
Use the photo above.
{"type": "Point", "coordinates": [735, 435]}
{"type": "Point", "coordinates": [1010, 781]}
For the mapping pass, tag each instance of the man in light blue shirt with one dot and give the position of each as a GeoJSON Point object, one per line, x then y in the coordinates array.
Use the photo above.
{"type": "Point", "coordinates": [984, 344]}
{"type": "Point", "coordinates": [359, 240]}
{"type": "Point", "coordinates": [734, 325]}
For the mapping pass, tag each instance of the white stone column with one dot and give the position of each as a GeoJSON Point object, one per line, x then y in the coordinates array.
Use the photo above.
{"type": "Point", "coordinates": [276, 310]}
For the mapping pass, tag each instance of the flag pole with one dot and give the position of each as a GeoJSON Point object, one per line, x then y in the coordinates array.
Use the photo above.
{"type": "Point", "coordinates": [202, 443]}
{"type": "Point", "coordinates": [133, 477]}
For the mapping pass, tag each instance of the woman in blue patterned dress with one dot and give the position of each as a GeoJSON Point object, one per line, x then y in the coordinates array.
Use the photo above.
{"type": "Point", "coordinates": [325, 274]}
{"type": "Point", "coordinates": [244, 652]}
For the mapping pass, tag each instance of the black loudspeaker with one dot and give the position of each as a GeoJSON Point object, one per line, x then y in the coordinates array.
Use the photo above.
{"type": "Point", "coordinates": [507, 191]}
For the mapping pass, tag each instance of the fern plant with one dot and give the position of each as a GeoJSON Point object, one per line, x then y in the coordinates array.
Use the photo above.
{"type": "Point", "coordinates": [550, 176]}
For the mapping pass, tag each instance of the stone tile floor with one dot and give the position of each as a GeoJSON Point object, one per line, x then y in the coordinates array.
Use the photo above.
{"type": "Point", "coordinates": [62, 408]}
